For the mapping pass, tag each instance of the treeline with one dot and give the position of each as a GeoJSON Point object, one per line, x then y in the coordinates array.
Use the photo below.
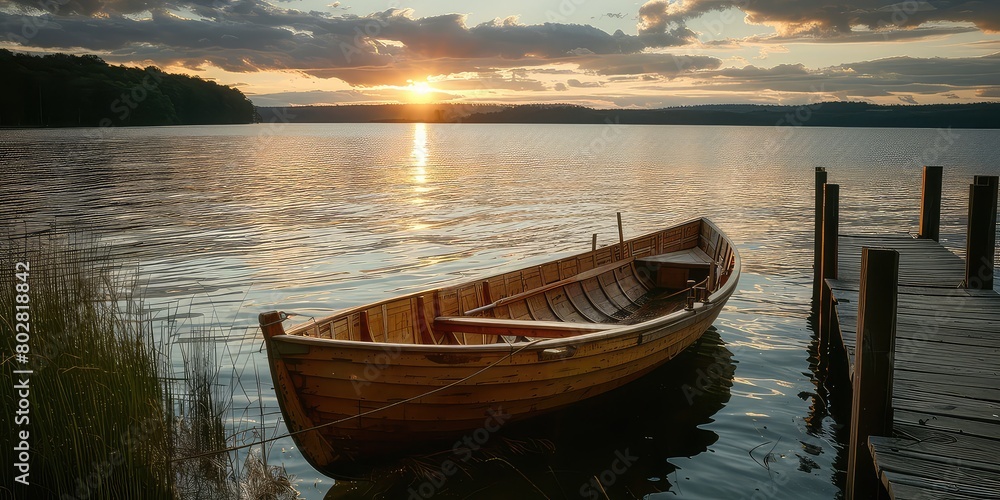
{"type": "Point", "coordinates": [386, 113]}
{"type": "Point", "coordinates": [824, 114]}
{"type": "Point", "coordinates": [62, 90]}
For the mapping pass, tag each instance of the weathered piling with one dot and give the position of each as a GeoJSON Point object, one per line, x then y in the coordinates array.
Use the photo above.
{"type": "Point", "coordinates": [981, 233]}
{"type": "Point", "coordinates": [828, 258]}
{"type": "Point", "coordinates": [818, 231]}
{"type": "Point", "coordinates": [930, 204]}
{"type": "Point", "coordinates": [831, 230]}
{"type": "Point", "coordinates": [871, 411]}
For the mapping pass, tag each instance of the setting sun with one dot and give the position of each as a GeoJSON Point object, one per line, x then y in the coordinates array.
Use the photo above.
{"type": "Point", "coordinates": [420, 92]}
{"type": "Point", "coordinates": [420, 88]}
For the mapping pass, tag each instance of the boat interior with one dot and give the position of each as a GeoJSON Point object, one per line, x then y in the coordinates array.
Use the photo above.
{"type": "Point", "coordinates": [629, 282]}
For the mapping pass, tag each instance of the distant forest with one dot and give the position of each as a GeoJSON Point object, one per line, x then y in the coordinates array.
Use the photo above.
{"type": "Point", "coordinates": [384, 113]}
{"type": "Point", "coordinates": [824, 114]}
{"type": "Point", "coordinates": [62, 90]}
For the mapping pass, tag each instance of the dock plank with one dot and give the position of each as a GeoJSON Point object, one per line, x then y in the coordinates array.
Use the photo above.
{"type": "Point", "coordinates": [899, 491]}
{"type": "Point", "coordinates": [921, 262]}
{"type": "Point", "coordinates": [954, 380]}
{"type": "Point", "coordinates": [918, 469]}
{"type": "Point", "coordinates": [931, 386]}
{"type": "Point", "coordinates": [949, 447]}
{"type": "Point", "coordinates": [946, 382]}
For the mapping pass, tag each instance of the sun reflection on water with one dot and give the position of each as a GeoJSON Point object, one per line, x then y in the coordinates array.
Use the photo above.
{"type": "Point", "coordinates": [419, 157]}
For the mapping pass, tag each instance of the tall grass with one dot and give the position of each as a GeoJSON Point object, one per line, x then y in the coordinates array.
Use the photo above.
{"type": "Point", "coordinates": [98, 424]}
{"type": "Point", "coordinates": [108, 415]}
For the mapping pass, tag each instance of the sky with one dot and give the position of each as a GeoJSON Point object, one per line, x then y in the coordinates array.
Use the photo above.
{"type": "Point", "coordinates": [598, 53]}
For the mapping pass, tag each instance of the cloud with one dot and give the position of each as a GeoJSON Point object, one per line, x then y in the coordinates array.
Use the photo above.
{"type": "Point", "coordinates": [513, 80]}
{"type": "Point", "coordinates": [824, 19]}
{"type": "Point", "coordinates": [865, 36]}
{"type": "Point", "coordinates": [897, 76]}
{"type": "Point", "coordinates": [87, 7]}
{"type": "Point", "coordinates": [394, 46]}
{"type": "Point", "coordinates": [387, 47]}
{"type": "Point", "coordinates": [965, 71]}
{"type": "Point", "coordinates": [320, 97]}
{"type": "Point", "coordinates": [988, 44]}
{"type": "Point", "coordinates": [637, 64]}
{"type": "Point", "coordinates": [776, 49]}
{"type": "Point", "coordinates": [662, 16]}
{"type": "Point", "coordinates": [573, 82]}
{"type": "Point", "coordinates": [780, 71]}
{"type": "Point", "coordinates": [992, 92]}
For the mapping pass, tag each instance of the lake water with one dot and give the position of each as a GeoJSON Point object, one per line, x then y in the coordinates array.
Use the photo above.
{"type": "Point", "coordinates": [229, 221]}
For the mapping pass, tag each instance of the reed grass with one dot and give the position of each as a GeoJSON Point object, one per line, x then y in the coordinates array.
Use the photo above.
{"type": "Point", "coordinates": [108, 414]}
{"type": "Point", "coordinates": [98, 423]}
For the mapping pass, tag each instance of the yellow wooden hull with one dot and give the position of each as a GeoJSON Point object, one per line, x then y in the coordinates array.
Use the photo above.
{"type": "Point", "coordinates": [438, 364]}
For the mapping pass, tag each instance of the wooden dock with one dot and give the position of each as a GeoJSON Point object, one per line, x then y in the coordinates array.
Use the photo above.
{"type": "Point", "coordinates": [926, 379]}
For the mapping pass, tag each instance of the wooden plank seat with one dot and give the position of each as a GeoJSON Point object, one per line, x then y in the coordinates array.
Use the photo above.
{"type": "Point", "coordinates": [673, 270]}
{"type": "Point", "coordinates": [517, 328]}
{"type": "Point", "coordinates": [692, 258]}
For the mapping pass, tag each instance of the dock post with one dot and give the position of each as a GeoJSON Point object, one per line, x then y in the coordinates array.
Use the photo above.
{"type": "Point", "coordinates": [871, 411]}
{"type": "Point", "coordinates": [981, 233]}
{"type": "Point", "coordinates": [818, 236]}
{"type": "Point", "coordinates": [930, 204]}
{"type": "Point", "coordinates": [828, 259]}
{"type": "Point", "coordinates": [593, 242]}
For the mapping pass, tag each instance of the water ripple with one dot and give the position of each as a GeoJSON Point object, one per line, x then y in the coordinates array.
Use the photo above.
{"type": "Point", "coordinates": [229, 221]}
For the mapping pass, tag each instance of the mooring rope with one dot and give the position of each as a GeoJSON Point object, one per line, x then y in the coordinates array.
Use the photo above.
{"type": "Point", "coordinates": [369, 412]}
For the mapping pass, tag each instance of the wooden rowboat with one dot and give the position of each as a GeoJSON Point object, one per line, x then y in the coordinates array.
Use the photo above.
{"type": "Point", "coordinates": [442, 363]}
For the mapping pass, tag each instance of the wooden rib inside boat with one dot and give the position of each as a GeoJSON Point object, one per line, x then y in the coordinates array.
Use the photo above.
{"type": "Point", "coordinates": [437, 364]}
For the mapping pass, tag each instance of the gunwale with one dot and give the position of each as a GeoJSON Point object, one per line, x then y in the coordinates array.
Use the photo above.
{"type": "Point", "coordinates": [297, 334]}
